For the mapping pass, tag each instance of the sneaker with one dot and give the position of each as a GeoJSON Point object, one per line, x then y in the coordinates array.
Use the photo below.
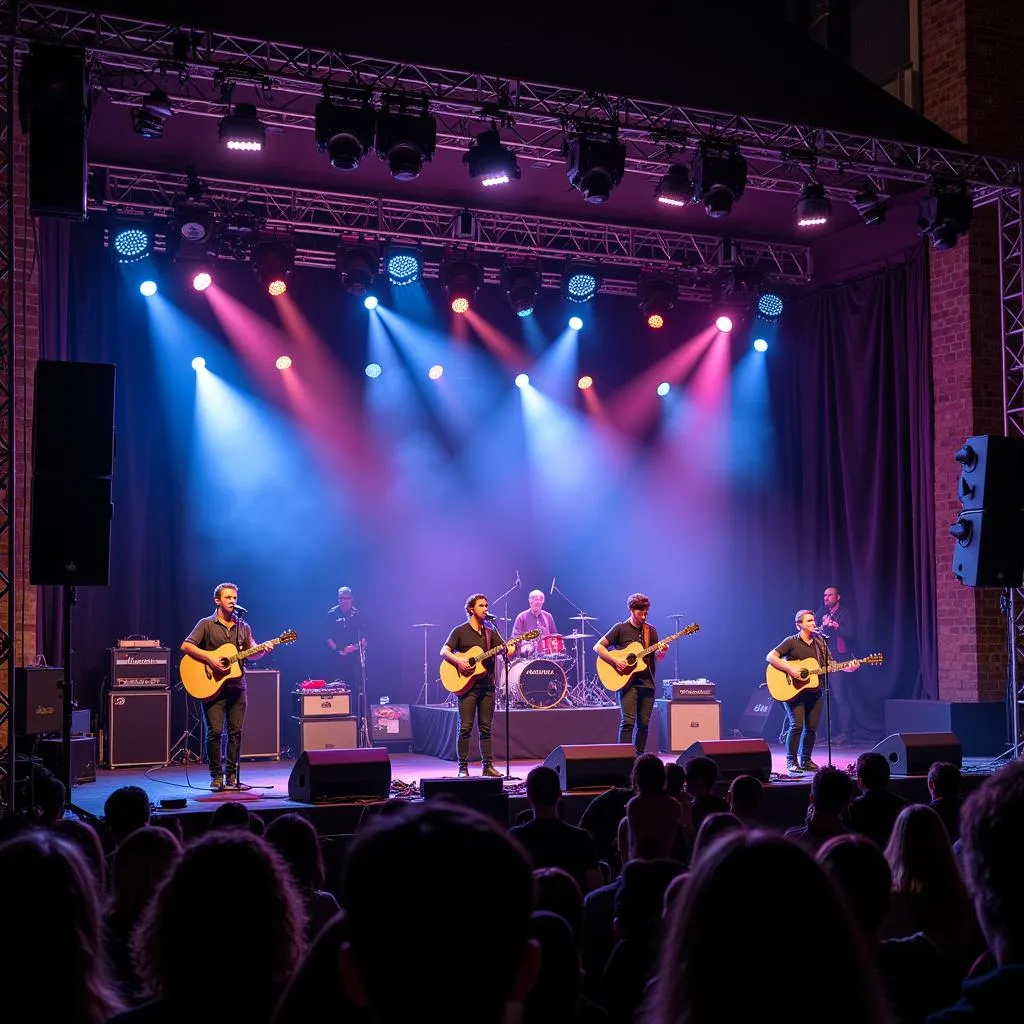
{"type": "Point", "coordinates": [491, 772]}
{"type": "Point", "coordinates": [463, 772]}
{"type": "Point", "coordinates": [231, 782]}
{"type": "Point", "coordinates": [808, 765]}
{"type": "Point", "coordinates": [216, 783]}
{"type": "Point", "coordinates": [792, 768]}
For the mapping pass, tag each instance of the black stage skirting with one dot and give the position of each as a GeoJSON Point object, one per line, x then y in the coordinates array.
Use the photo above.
{"type": "Point", "coordinates": [534, 734]}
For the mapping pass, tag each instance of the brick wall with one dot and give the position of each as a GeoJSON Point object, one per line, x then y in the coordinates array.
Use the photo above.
{"type": "Point", "coordinates": [971, 87]}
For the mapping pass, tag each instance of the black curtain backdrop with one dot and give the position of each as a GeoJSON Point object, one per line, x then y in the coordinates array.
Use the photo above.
{"type": "Point", "coordinates": [847, 500]}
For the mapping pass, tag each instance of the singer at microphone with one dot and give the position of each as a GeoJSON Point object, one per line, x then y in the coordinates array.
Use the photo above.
{"type": "Point", "coordinates": [241, 610]}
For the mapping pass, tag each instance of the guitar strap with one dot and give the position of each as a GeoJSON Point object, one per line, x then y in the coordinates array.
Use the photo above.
{"type": "Point", "coordinates": [647, 635]}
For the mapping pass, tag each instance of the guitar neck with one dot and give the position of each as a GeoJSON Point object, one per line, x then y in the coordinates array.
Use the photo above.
{"type": "Point", "coordinates": [258, 649]}
{"type": "Point", "coordinates": [654, 647]}
{"type": "Point", "coordinates": [836, 666]}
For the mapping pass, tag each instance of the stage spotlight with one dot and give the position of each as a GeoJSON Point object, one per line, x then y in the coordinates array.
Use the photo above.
{"type": "Point", "coordinates": [490, 161]}
{"type": "Point", "coordinates": [273, 260]}
{"type": "Point", "coordinates": [242, 131]}
{"type": "Point", "coordinates": [404, 265]}
{"type": "Point", "coordinates": [148, 288]}
{"type": "Point", "coordinates": [719, 177]}
{"type": "Point", "coordinates": [462, 280]}
{"type": "Point", "coordinates": [522, 380]}
{"type": "Point", "coordinates": [585, 382]}
{"type": "Point", "coordinates": [370, 302]}
{"type": "Point", "coordinates": [580, 283]}
{"type": "Point", "coordinates": [130, 240]}
{"type": "Point", "coordinates": [575, 323]}
{"type": "Point", "coordinates": [405, 141]}
{"type": "Point", "coordinates": [357, 267]}
{"type": "Point", "coordinates": [595, 161]}
{"type": "Point", "coordinates": [655, 320]}
{"type": "Point", "coordinates": [283, 362]}
{"type": "Point", "coordinates": [724, 324]}
{"type": "Point", "coordinates": [148, 118]}
{"type": "Point", "coordinates": [436, 372]}
{"type": "Point", "coordinates": [199, 363]}
{"type": "Point", "coordinates": [760, 345]}
{"type": "Point", "coordinates": [770, 307]}
{"type": "Point", "coordinates": [372, 370]}
{"type": "Point", "coordinates": [522, 286]}
{"type": "Point", "coordinates": [870, 206]}
{"type": "Point", "coordinates": [202, 281]}
{"type": "Point", "coordinates": [343, 126]}
{"type": "Point", "coordinates": [674, 189]}
{"type": "Point", "coordinates": [946, 214]}
{"type": "Point", "coordinates": [657, 296]}
{"type": "Point", "coordinates": [664, 388]}
{"type": "Point", "coordinates": [814, 207]}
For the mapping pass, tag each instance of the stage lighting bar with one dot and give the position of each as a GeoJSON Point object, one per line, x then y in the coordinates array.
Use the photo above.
{"type": "Point", "coordinates": [130, 239]}
{"type": "Point", "coordinates": [344, 126]}
{"type": "Point", "coordinates": [406, 141]}
{"type": "Point", "coordinates": [657, 297]}
{"type": "Point", "coordinates": [357, 267]}
{"type": "Point", "coordinates": [242, 130]}
{"type": "Point", "coordinates": [719, 177]}
{"type": "Point", "coordinates": [491, 162]}
{"type": "Point", "coordinates": [595, 161]}
{"type": "Point", "coordinates": [273, 259]}
{"type": "Point", "coordinates": [522, 284]}
{"type": "Point", "coordinates": [462, 279]}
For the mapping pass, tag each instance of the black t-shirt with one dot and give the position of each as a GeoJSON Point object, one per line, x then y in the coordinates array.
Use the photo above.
{"type": "Point", "coordinates": [343, 627]}
{"type": "Point", "coordinates": [464, 638]}
{"type": "Point", "coordinates": [552, 843]}
{"type": "Point", "coordinates": [795, 648]}
{"type": "Point", "coordinates": [622, 634]}
{"type": "Point", "coordinates": [210, 633]}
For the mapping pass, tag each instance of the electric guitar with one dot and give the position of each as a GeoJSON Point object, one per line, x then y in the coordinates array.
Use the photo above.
{"type": "Point", "coordinates": [612, 679]}
{"type": "Point", "coordinates": [203, 682]}
{"type": "Point", "coordinates": [459, 683]}
{"type": "Point", "coordinates": [782, 686]}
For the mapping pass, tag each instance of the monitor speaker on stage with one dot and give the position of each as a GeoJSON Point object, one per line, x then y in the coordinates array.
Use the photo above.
{"type": "Point", "coordinates": [913, 753]}
{"type": "Point", "coordinates": [334, 776]}
{"type": "Point", "coordinates": [38, 700]}
{"type": "Point", "coordinates": [482, 794]}
{"type": "Point", "coordinates": [733, 757]}
{"type": "Point", "coordinates": [592, 765]}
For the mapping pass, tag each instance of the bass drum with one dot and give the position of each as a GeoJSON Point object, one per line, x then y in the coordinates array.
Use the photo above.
{"type": "Point", "coordinates": [538, 683]}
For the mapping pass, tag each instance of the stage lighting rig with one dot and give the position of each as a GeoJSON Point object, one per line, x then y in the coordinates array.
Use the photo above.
{"type": "Point", "coordinates": [149, 117]}
{"type": "Point", "coordinates": [344, 125]}
{"type": "Point", "coordinates": [462, 279]}
{"type": "Point", "coordinates": [580, 282]}
{"type": "Point", "coordinates": [357, 267]}
{"type": "Point", "coordinates": [403, 264]}
{"type": "Point", "coordinates": [241, 129]}
{"type": "Point", "coordinates": [719, 177]}
{"type": "Point", "coordinates": [870, 207]}
{"type": "Point", "coordinates": [946, 213]}
{"type": "Point", "coordinates": [490, 161]}
{"type": "Point", "coordinates": [674, 189]}
{"type": "Point", "coordinates": [814, 207]}
{"type": "Point", "coordinates": [657, 296]}
{"type": "Point", "coordinates": [405, 140]}
{"type": "Point", "coordinates": [130, 238]}
{"type": "Point", "coordinates": [522, 284]}
{"type": "Point", "coordinates": [191, 222]}
{"type": "Point", "coordinates": [595, 161]}
{"type": "Point", "coordinates": [273, 260]}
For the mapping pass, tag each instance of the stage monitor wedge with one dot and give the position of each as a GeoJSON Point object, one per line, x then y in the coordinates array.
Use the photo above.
{"type": "Point", "coordinates": [592, 765]}
{"type": "Point", "coordinates": [733, 757]}
{"type": "Point", "coordinates": [337, 776]}
{"type": "Point", "coordinates": [913, 753]}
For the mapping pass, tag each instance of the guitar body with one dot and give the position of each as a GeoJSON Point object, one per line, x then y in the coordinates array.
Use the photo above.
{"type": "Point", "coordinates": [203, 682]}
{"type": "Point", "coordinates": [455, 681]}
{"type": "Point", "coordinates": [614, 680]}
{"type": "Point", "coordinates": [783, 686]}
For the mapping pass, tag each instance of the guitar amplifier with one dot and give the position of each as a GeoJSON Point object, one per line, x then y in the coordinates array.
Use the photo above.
{"type": "Point", "coordinates": [317, 704]}
{"type": "Point", "coordinates": [142, 668]}
{"type": "Point", "coordinates": [688, 689]}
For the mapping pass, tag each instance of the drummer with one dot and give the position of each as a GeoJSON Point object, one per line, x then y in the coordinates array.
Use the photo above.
{"type": "Point", "coordinates": [532, 618]}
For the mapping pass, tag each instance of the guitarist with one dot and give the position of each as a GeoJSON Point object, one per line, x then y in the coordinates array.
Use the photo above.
{"type": "Point", "coordinates": [478, 701]}
{"type": "Point", "coordinates": [636, 698]}
{"type": "Point", "coordinates": [803, 711]}
{"type": "Point", "coordinates": [225, 626]}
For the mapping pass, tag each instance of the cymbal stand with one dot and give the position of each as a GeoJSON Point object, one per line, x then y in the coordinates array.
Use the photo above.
{"type": "Point", "coordinates": [581, 661]}
{"type": "Point", "coordinates": [426, 627]}
{"type": "Point", "coordinates": [676, 618]}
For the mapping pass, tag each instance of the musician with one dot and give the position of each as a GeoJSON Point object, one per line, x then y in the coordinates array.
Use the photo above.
{"type": "Point", "coordinates": [345, 637]}
{"type": "Point", "coordinates": [636, 698]}
{"type": "Point", "coordinates": [803, 711]}
{"type": "Point", "coordinates": [478, 701]}
{"type": "Point", "coordinates": [532, 618]}
{"type": "Point", "coordinates": [225, 626]}
{"type": "Point", "coordinates": [836, 621]}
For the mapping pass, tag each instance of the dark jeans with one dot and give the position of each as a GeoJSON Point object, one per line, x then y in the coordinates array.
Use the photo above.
{"type": "Point", "coordinates": [802, 714]}
{"type": "Point", "coordinates": [478, 703]}
{"type": "Point", "coordinates": [229, 705]}
{"type": "Point", "coordinates": [636, 703]}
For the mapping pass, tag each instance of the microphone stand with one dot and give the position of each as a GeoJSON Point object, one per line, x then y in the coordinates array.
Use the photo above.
{"type": "Point", "coordinates": [828, 697]}
{"type": "Point", "coordinates": [365, 739]}
{"type": "Point", "coordinates": [508, 717]}
{"type": "Point", "coordinates": [581, 647]}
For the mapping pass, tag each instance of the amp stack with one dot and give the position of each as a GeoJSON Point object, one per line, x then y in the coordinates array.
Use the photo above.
{"type": "Point", "coordinates": [137, 708]}
{"type": "Point", "coordinates": [324, 715]}
{"type": "Point", "coordinates": [687, 713]}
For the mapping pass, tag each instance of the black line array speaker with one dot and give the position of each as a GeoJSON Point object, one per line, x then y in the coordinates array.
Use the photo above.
{"type": "Point", "coordinates": [261, 735]}
{"type": "Point", "coordinates": [913, 753]}
{"type": "Point", "coordinates": [138, 728]}
{"type": "Point", "coordinates": [38, 701]}
{"type": "Point", "coordinates": [329, 776]}
{"type": "Point", "coordinates": [482, 794]}
{"type": "Point", "coordinates": [733, 757]}
{"type": "Point", "coordinates": [592, 765]}
{"type": "Point", "coordinates": [72, 463]}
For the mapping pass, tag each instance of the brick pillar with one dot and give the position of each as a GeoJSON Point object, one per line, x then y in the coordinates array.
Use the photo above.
{"type": "Point", "coordinates": [971, 50]}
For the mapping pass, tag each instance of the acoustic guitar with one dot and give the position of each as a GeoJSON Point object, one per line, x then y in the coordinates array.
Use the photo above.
{"type": "Point", "coordinates": [459, 683]}
{"type": "Point", "coordinates": [612, 679]}
{"type": "Point", "coordinates": [204, 683]}
{"type": "Point", "coordinates": [782, 686]}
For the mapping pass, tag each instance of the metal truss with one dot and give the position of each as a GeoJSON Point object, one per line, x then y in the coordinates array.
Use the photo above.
{"type": "Point", "coordinates": [1011, 285]}
{"type": "Point", "coordinates": [311, 213]}
{"type": "Point", "coordinates": [133, 55]}
{"type": "Point", "coordinates": [7, 478]}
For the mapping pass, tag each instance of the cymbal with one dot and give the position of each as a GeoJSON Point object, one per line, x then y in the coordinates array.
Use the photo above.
{"type": "Point", "coordinates": [425, 625]}
{"type": "Point", "coordinates": [577, 636]}
{"type": "Point", "coordinates": [584, 618]}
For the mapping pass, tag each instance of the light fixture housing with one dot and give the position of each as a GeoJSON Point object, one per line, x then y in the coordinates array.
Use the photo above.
{"type": "Point", "coordinates": [946, 213]}
{"type": "Point", "coordinates": [491, 162]}
{"type": "Point", "coordinates": [405, 141]}
{"type": "Point", "coordinates": [674, 189]}
{"type": "Point", "coordinates": [242, 130]}
{"type": "Point", "coordinates": [462, 279]}
{"type": "Point", "coordinates": [343, 127]}
{"type": "Point", "coordinates": [656, 297]}
{"type": "Point", "coordinates": [595, 162]}
{"type": "Point", "coordinates": [273, 260]}
{"type": "Point", "coordinates": [403, 264]}
{"type": "Point", "coordinates": [814, 207]}
{"type": "Point", "coordinates": [149, 117]}
{"type": "Point", "coordinates": [357, 267]}
{"type": "Point", "coordinates": [522, 284]}
{"type": "Point", "coordinates": [580, 282]}
{"type": "Point", "coordinates": [719, 177]}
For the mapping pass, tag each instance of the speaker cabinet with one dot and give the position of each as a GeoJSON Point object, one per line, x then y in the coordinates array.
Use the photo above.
{"type": "Point", "coordinates": [328, 733]}
{"type": "Point", "coordinates": [482, 794]}
{"type": "Point", "coordinates": [989, 550]}
{"type": "Point", "coordinates": [261, 734]}
{"type": "Point", "coordinates": [138, 728]}
{"type": "Point", "coordinates": [992, 474]}
{"type": "Point", "coordinates": [592, 765]}
{"type": "Point", "coordinates": [763, 717]}
{"type": "Point", "coordinates": [327, 776]}
{"type": "Point", "coordinates": [681, 723]}
{"type": "Point", "coordinates": [733, 757]}
{"type": "Point", "coordinates": [980, 726]}
{"type": "Point", "coordinates": [83, 758]}
{"type": "Point", "coordinates": [913, 753]}
{"type": "Point", "coordinates": [38, 701]}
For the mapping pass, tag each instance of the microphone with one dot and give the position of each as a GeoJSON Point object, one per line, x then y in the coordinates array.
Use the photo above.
{"type": "Point", "coordinates": [552, 590]}
{"type": "Point", "coordinates": [519, 582]}
{"type": "Point", "coordinates": [818, 632]}
{"type": "Point", "coordinates": [241, 609]}
{"type": "Point", "coordinates": [488, 615]}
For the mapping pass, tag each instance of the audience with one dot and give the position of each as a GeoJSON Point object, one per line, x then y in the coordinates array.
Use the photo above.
{"type": "Point", "coordinates": [944, 782]}
{"type": "Point", "coordinates": [744, 799]}
{"type": "Point", "coordinates": [874, 812]}
{"type": "Point", "coordinates": [831, 790]}
{"type": "Point", "coordinates": [701, 776]}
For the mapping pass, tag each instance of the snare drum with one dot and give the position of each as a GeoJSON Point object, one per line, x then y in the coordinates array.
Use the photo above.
{"type": "Point", "coordinates": [538, 683]}
{"type": "Point", "coordinates": [552, 644]}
